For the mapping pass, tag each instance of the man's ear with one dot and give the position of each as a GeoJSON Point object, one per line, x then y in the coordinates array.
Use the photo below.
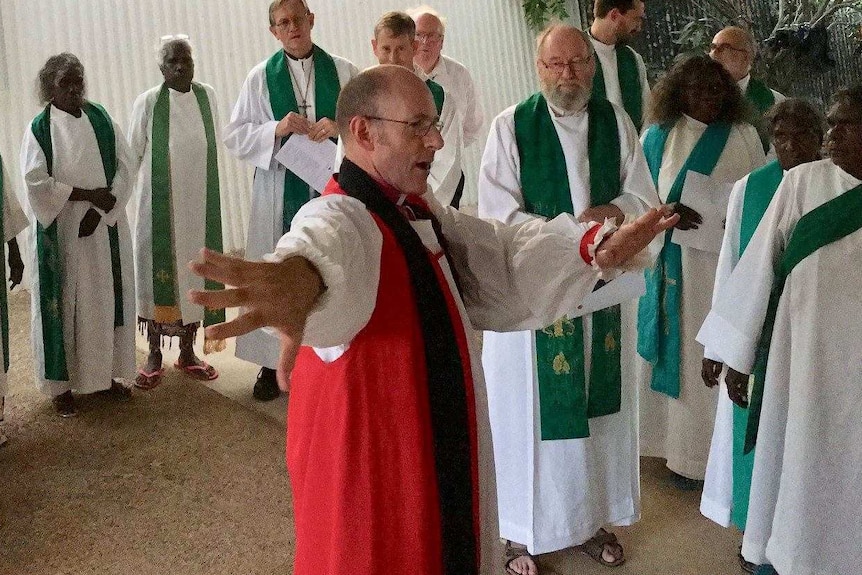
{"type": "Point", "coordinates": [272, 30]}
{"type": "Point", "coordinates": [360, 132]}
{"type": "Point", "coordinates": [311, 20]}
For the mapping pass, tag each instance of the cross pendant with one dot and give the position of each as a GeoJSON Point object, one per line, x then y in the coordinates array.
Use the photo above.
{"type": "Point", "coordinates": [303, 109]}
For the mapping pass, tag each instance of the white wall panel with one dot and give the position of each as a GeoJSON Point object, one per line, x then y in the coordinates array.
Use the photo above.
{"type": "Point", "coordinates": [115, 41]}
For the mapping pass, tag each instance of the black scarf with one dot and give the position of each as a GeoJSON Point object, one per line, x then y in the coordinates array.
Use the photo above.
{"type": "Point", "coordinates": [446, 388]}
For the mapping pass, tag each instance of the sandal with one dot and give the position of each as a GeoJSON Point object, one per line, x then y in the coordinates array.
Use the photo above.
{"type": "Point", "coordinates": [595, 547]}
{"type": "Point", "coordinates": [513, 553]}
{"type": "Point", "coordinates": [117, 391]}
{"type": "Point", "coordinates": [747, 566]}
{"type": "Point", "coordinates": [149, 380]}
{"type": "Point", "coordinates": [200, 372]}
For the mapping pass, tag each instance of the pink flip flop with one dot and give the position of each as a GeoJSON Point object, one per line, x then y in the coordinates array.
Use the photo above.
{"type": "Point", "coordinates": [203, 372]}
{"type": "Point", "coordinates": [149, 380]}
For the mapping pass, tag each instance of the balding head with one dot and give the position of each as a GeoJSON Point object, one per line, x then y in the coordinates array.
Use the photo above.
{"type": "Point", "coordinates": [565, 65]}
{"type": "Point", "coordinates": [734, 48]}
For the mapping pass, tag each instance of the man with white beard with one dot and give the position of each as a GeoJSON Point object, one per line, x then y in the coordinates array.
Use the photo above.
{"type": "Point", "coordinates": [566, 465]}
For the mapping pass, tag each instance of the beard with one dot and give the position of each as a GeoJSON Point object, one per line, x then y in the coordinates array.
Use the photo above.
{"type": "Point", "coordinates": [567, 100]}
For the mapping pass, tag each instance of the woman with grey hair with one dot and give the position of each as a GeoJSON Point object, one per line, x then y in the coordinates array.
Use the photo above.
{"type": "Point", "coordinates": [75, 165]}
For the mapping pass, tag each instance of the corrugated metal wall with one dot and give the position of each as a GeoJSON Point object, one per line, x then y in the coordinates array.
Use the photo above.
{"type": "Point", "coordinates": [115, 40]}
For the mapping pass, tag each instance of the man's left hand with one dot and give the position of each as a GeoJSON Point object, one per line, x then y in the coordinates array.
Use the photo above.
{"type": "Point", "coordinates": [600, 213]}
{"type": "Point", "coordinates": [737, 387]}
{"type": "Point", "coordinates": [322, 129]}
{"type": "Point", "coordinates": [625, 243]}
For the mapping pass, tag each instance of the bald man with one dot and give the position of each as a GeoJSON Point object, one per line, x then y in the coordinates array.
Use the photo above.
{"type": "Point", "coordinates": [387, 444]}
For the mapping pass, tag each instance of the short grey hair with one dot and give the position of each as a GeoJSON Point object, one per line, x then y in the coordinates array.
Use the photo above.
{"type": "Point", "coordinates": [415, 13]}
{"type": "Point", "coordinates": [555, 26]}
{"type": "Point", "coordinates": [54, 66]}
{"type": "Point", "coordinates": [171, 40]}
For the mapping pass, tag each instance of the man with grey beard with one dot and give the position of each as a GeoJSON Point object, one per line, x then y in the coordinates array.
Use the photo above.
{"type": "Point", "coordinates": [576, 468]}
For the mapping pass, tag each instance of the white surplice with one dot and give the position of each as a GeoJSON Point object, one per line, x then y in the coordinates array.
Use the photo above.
{"type": "Point", "coordinates": [250, 136]}
{"type": "Point", "coordinates": [680, 430]}
{"type": "Point", "coordinates": [14, 223]}
{"type": "Point", "coordinates": [457, 81]}
{"type": "Point", "coordinates": [804, 510]}
{"type": "Point", "coordinates": [505, 284]}
{"type": "Point", "coordinates": [555, 494]}
{"type": "Point", "coordinates": [188, 175]}
{"type": "Point", "coordinates": [96, 352]}
{"type": "Point", "coordinates": [607, 59]}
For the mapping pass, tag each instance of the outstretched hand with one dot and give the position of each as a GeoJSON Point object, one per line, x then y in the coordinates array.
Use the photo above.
{"type": "Point", "coordinates": [710, 371]}
{"type": "Point", "coordinates": [279, 295]}
{"type": "Point", "coordinates": [625, 243]}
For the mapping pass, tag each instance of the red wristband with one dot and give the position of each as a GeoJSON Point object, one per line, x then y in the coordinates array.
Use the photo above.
{"type": "Point", "coordinates": [587, 241]}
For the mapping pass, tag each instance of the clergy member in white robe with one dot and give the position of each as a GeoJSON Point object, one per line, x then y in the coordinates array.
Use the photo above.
{"type": "Point", "coordinates": [621, 75]}
{"type": "Point", "coordinates": [796, 130]}
{"type": "Point", "coordinates": [696, 105]}
{"type": "Point", "coordinates": [557, 492]}
{"type": "Point", "coordinates": [75, 163]}
{"type": "Point", "coordinates": [12, 224]}
{"type": "Point", "coordinates": [803, 515]}
{"type": "Point", "coordinates": [256, 132]}
{"type": "Point", "coordinates": [177, 207]}
{"type": "Point", "coordinates": [370, 234]}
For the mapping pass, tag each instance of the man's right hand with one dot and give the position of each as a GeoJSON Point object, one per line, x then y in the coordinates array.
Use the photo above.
{"type": "Point", "coordinates": [710, 371]}
{"type": "Point", "coordinates": [293, 123]}
{"type": "Point", "coordinates": [625, 243]}
{"type": "Point", "coordinates": [689, 219]}
{"type": "Point", "coordinates": [89, 223]}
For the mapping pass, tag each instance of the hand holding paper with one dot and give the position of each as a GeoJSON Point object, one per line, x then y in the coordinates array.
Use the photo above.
{"type": "Point", "coordinates": [314, 162]}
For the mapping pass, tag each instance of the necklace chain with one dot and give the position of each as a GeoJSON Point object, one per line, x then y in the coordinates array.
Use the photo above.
{"type": "Point", "coordinates": [304, 105]}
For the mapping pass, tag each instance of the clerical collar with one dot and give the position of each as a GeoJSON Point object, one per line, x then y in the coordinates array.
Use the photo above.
{"type": "Point", "coordinates": [743, 83]}
{"type": "Point", "coordinates": [306, 57]}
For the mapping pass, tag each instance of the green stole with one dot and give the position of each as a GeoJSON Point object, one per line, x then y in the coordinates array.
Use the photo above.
{"type": "Point", "coordinates": [164, 259]}
{"type": "Point", "coordinates": [283, 101]}
{"type": "Point", "coordinates": [49, 255]}
{"type": "Point", "coordinates": [630, 83]}
{"type": "Point", "coordinates": [762, 98]}
{"type": "Point", "coordinates": [4, 307]}
{"type": "Point", "coordinates": [564, 403]}
{"type": "Point", "coordinates": [825, 224]}
{"type": "Point", "coordinates": [761, 186]}
{"type": "Point", "coordinates": [658, 309]}
{"type": "Point", "coordinates": [438, 94]}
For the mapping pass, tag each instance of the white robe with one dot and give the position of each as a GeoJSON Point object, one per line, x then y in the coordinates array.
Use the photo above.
{"type": "Point", "coordinates": [806, 498]}
{"type": "Point", "coordinates": [607, 59]}
{"type": "Point", "coordinates": [457, 81]}
{"type": "Point", "coordinates": [505, 285]}
{"type": "Point", "coordinates": [250, 136]}
{"type": "Point", "coordinates": [14, 223]}
{"type": "Point", "coordinates": [680, 430]}
{"type": "Point", "coordinates": [96, 352]}
{"type": "Point", "coordinates": [556, 494]}
{"type": "Point", "coordinates": [188, 174]}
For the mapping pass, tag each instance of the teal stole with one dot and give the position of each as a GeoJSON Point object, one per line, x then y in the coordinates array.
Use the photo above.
{"type": "Point", "coordinates": [49, 255]}
{"type": "Point", "coordinates": [630, 83]}
{"type": "Point", "coordinates": [825, 224]}
{"type": "Point", "coordinates": [658, 309]}
{"type": "Point", "coordinates": [762, 98]}
{"type": "Point", "coordinates": [437, 93]}
{"type": "Point", "coordinates": [283, 101]}
{"type": "Point", "coordinates": [164, 259]}
{"type": "Point", "coordinates": [4, 304]}
{"type": "Point", "coordinates": [762, 184]}
{"type": "Point", "coordinates": [564, 404]}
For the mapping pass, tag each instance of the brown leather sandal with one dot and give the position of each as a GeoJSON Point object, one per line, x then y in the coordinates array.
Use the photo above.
{"type": "Point", "coordinates": [513, 553]}
{"type": "Point", "coordinates": [595, 547]}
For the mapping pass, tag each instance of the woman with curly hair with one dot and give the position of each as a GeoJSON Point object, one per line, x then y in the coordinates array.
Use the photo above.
{"type": "Point", "coordinates": [697, 118]}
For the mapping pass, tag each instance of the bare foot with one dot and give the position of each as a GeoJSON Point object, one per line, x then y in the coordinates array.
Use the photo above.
{"type": "Point", "coordinates": [519, 560]}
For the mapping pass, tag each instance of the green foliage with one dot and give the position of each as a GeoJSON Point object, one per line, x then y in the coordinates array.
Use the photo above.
{"type": "Point", "coordinates": [696, 35]}
{"type": "Point", "coordinates": [538, 12]}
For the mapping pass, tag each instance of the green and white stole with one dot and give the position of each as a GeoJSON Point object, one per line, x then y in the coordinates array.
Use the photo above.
{"type": "Point", "coordinates": [438, 94]}
{"type": "Point", "coordinates": [825, 224]}
{"type": "Point", "coordinates": [762, 98]}
{"type": "Point", "coordinates": [630, 83]}
{"type": "Point", "coordinates": [4, 304]}
{"type": "Point", "coordinates": [761, 186]}
{"type": "Point", "coordinates": [564, 403]}
{"type": "Point", "coordinates": [50, 261]}
{"type": "Point", "coordinates": [658, 309]}
{"type": "Point", "coordinates": [165, 286]}
{"type": "Point", "coordinates": [283, 101]}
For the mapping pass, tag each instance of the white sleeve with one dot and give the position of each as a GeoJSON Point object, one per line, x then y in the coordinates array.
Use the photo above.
{"type": "Point", "coordinates": [474, 116]}
{"type": "Point", "coordinates": [46, 196]}
{"type": "Point", "coordinates": [637, 192]}
{"type": "Point", "coordinates": [250, 135]}
{"type": "Point", "coordinates": [500, 195]}
{"type": "Point", "coordinates": [733, 327]}
{"type": "Point", "coordinates": [341, 239]}
{"type": "Point", "coordinates": [14, 220]}
{"type": "Point", "coordinates": [139, 133]}
{"type": "Point", "coordinates": [646, 93]}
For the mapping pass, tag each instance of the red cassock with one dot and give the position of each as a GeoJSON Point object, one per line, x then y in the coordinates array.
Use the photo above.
{"type": "Point", "coordinates": [360, 450]}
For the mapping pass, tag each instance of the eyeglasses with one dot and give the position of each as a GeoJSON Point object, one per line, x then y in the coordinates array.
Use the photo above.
{"type": "Point", "coordinates": [558, 67]}
{"type": "Point", "coordinates": [722, 47]}
{"type": "Point", "coordinates": [296, 22]}
{"type": "Point", "coordinates": [420, 128]}
{"type": "Point", "coordinates": [428, 38]}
